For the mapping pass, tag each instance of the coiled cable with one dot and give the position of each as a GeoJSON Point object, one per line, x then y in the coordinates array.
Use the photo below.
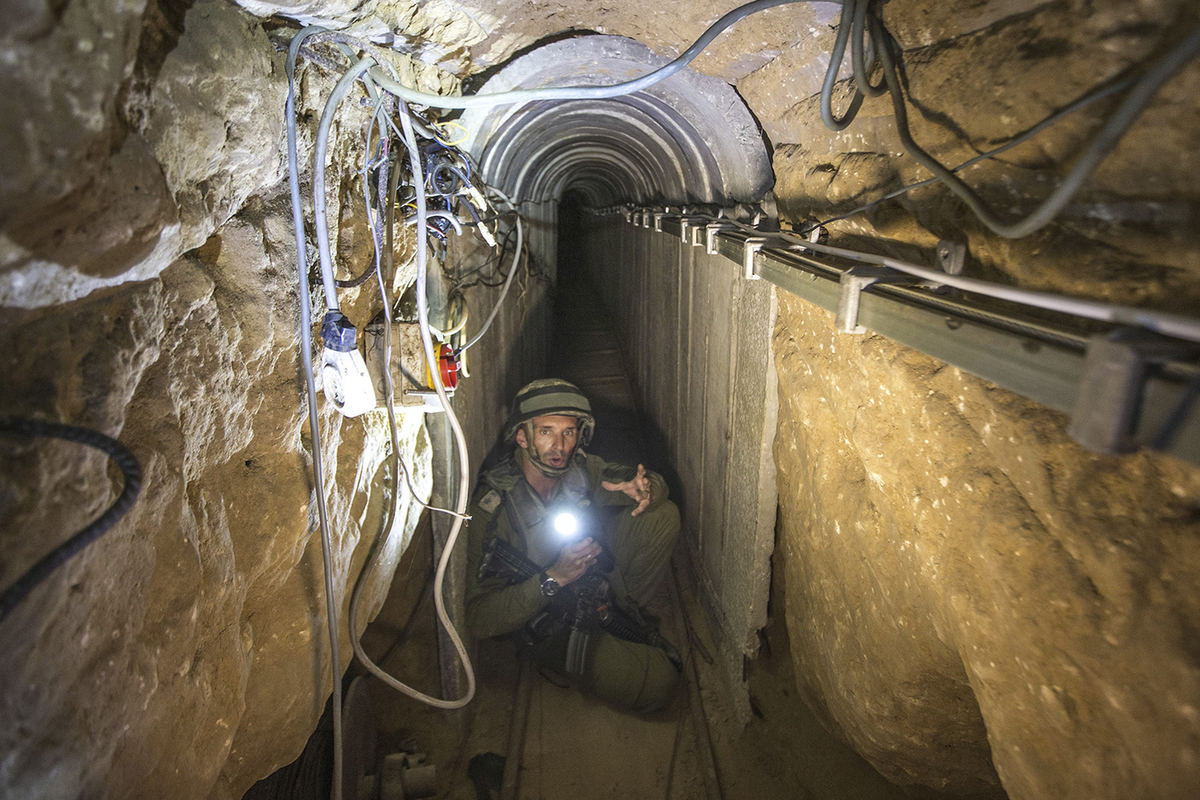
{"type": "Point", "coordinates": [119, 454]}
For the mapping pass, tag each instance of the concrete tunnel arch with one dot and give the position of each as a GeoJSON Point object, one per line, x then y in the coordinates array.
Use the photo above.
{"type": "Point", "coordinates": [687, 139]}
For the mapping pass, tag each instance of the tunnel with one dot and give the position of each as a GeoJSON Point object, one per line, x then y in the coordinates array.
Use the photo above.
{"type": "Point", "coordinates": [881, 316]}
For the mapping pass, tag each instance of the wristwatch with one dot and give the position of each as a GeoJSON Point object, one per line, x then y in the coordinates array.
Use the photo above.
{"type": "Point", "coordinates": [550, 586]}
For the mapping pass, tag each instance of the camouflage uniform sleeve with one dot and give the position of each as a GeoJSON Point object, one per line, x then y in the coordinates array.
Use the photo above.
{"type": "Point", "coordinates": [493, 607]}
{"type": "Point", "coordinates": [600, 470]}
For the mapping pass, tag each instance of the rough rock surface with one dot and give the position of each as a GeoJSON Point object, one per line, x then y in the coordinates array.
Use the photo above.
{"type": "Point", "coordinates": [186, 651]}
{"type": "Point", "coordinates": [148, 236]}
{"type": "Point", "coordinates": [1129, 236]}
{"type": "Point", "coordinates": [962, 574]}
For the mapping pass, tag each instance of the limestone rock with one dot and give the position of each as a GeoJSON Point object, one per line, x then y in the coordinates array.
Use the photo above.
{"type": "Point", "coordinates": [961, 574]}
{"type": "Point", "coordinates": [186, 651]}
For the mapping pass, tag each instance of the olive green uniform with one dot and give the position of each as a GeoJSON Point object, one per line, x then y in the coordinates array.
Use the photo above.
{"type": "Point", "coordinates": [633, 676]}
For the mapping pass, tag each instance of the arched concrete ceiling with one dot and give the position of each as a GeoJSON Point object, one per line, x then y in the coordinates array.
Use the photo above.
{"type": "Point", "coordinates": [687, 139]}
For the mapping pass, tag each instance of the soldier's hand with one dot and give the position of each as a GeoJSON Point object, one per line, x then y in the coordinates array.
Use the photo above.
{"type": "Point", "coordinates": [573, 561]}
{"type": "Point", "coordinates": [638, 488]}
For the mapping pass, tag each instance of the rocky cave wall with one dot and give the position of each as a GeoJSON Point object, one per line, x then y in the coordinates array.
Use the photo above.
{"type": "Point", "coordinates": [966, 587]}
{"type": "Point", "coordinates": [148, 281]}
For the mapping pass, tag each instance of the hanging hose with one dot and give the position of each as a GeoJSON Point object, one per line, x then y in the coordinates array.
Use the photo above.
{"type": "Point", "coordinates": [464, 474]}
{"type": "Point", "coordinates": [331, 604]}
{"type": "Point", "coordinates": [503, 292]}
{"type": "Point", "coordinates": [120, 456]}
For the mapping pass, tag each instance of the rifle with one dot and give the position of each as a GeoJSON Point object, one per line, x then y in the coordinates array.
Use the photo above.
{"type": "Point", "coordinates": [586, 604]}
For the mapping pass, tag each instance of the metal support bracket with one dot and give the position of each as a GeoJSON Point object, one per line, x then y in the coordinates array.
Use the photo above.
{"type": "Point", "coordinates": [951, 256]}
{"type": "Point", "coordinates": [658, 218]}
{"type": "Point", "coordinates": [852, 283]}
{"type": "Point", "coordinates": [710, 236]}
{"type": "Point", "coordinates": [750, 247]}
{"type": "Point", "coordinates": [1110, 395]}
{"type": "Point", "coordinates": [687, 229]}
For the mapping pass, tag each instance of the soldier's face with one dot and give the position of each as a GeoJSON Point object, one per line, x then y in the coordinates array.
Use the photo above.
{"type": "Point", "coordinates": [554, 438]}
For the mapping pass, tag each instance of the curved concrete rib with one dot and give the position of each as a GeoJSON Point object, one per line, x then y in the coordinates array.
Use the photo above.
{"type": "Point", "coordinates": [687, 139]}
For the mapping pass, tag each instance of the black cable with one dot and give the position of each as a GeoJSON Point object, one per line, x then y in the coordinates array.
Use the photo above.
{"type": "Point", "coordinates": [1103, 143]}
{"type": "Point", "coordinates": [831, 75]}
{"type": "Point", "coordinates": [858, 36]}
{"type": "Point", "coordinates": [119, 454]}
{"type": "Point", "coordinates": [358, 280]}
{"type": "Point", "coordinates": [1096, 94]}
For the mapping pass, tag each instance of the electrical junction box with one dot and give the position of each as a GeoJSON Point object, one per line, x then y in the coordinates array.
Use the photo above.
{"type": "Point", "coordinates": [410, 371]}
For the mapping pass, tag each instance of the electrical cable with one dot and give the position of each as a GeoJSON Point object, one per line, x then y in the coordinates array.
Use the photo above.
{"type": "Point", "coordinates": [358, 280]}
{"type": "Point", "coordinates": [454, 221]}
{"type": "Point", "coordinates": [458, 326]}
{"type": "Point", "coordinates": [463, 488]}
{"type": "Point", "coordinates": [1097, 94]}
{"type": "Point", "coordinates": [1102, 144]}
{"type": "Point", "coordinates": [452, 123]}
{"type": "Point", "coordinates": [858, 35]}
{"type": "Point", "coordinates": [474, 214]}
{"type": "Point", "coordinates": [389, 385]}
{"type": "Point", "coordinates": [831, 75]}
{"type": "Point", "coordinates": [503, 292]}
{"type": "Point", "coordinates": [332, 606]}
{"type": "Point", "coordinates": [318, 181]}
{"type": "Point", "coordinates": [12, 595]}
{"type": "Point", "coordinates": [410, 95]}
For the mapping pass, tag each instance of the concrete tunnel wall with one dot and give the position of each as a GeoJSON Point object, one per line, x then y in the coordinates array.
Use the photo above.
{"type": "Point", "coordinates": [698, 337]}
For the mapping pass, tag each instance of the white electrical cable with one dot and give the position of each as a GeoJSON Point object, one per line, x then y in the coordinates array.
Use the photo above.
{"type": "Point", "coordinates": [319, 207]}
{"type": "Point", "coordinates": [464, 460]}
{"type": "Point", "coordinates": [1167, 324]}
{"type": "Point", "coordinates": [504, 291]}
{"type": "Point", "coordinates": [332, 604]}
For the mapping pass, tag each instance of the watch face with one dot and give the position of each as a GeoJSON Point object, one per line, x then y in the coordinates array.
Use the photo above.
{"type": "Point", "coordinates": [549, 587]}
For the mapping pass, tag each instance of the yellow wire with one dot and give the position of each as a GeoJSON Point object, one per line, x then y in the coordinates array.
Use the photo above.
{"type": "Point", "coordinates": [453, 124]}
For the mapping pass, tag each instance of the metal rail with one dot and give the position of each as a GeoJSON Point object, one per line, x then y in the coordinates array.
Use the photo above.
{"type": "Point", "coordinates": [1122, 387]}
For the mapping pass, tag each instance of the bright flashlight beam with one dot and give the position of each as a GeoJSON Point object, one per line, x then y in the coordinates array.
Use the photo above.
{"type": "Point", "coordinates": [566, 524]}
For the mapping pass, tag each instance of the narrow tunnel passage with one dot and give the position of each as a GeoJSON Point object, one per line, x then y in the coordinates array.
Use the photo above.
{"type": "Point", "coordinates": [938, 480]}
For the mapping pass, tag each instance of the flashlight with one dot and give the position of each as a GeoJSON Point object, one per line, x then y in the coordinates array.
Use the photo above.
{"type": "Point", "coordinates": [567, 525]}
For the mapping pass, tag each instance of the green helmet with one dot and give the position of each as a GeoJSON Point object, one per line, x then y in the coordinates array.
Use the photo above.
{"type": "Point", "coordinates": [548, 396]}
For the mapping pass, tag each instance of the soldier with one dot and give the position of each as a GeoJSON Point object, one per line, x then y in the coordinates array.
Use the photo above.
{"type": "Point", "coordinates": [573, 602]}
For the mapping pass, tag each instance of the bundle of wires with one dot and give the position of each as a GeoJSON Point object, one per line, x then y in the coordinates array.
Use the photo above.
{"type": "Point", "coordinates": [857, 23]}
